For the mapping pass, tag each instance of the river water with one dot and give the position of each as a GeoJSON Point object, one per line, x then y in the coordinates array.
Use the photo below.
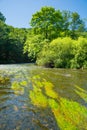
{"type": "Point", "coordinates": [37, 98]}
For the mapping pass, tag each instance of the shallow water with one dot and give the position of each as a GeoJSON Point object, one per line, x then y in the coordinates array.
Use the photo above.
{"type": "Point", "coordinates": [37, 98]}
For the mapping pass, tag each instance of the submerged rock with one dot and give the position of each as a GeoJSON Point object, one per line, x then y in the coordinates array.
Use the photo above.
{"type": "Point", "coordinates": [4, 80]}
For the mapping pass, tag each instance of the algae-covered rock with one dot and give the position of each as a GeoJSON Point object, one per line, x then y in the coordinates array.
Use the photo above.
{"type": "Point", "coordinates": [4, 80]}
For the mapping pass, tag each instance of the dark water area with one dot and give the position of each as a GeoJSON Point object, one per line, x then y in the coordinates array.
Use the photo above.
{"type": "Point", "coordinates": [37, 98]}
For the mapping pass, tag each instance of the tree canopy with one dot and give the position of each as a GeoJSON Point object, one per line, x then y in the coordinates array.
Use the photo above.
{"type": "Point", "coordinates": [56, 39]}
{"type": "Point", "coordinates": [11, 43]}
{"type": "Point", "coordinates": [2, 18]}
{"type": "Point", "coordinates": [47, 21]}
{"type": "Point", "coordinates": [54, 23]}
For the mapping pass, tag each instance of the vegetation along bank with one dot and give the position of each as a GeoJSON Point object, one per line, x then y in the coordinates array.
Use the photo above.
{"type": "Point", "coordinates": [56, 39]}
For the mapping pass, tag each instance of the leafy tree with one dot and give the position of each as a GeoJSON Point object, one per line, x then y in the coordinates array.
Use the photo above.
{"type": "Point", "coordinates": [48, 42]}
{"type": "Point", "coordinates": [47, 21]}
{"type": "Point", "coordinates": [55, 23]}
{"type": "Point", "coordinates": [66, 19]}
{"type": "Point", "coordinates": [59, 54]}
{"type": "Point", "coordinates": [3, 39]}
{"type": "Point", "coordinates": [72, 25]}
{"type": "Point", "coordinates": [16, 39]}
{"type": "Point", "coordinates": [77, 25]}
{"type": "Point", "coordinates": [2, 18]}
{"type": "Point", "coordinates": [80, 52]}
{"type": "Point", "coordinates": [33, 45]}
{"type": "Point", "coordinates": [64, 53]}
{"type": "Point", "coordinates": [11, 44]}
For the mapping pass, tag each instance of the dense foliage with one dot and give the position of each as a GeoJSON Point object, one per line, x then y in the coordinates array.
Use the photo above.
{"type": "Point", "coordinates": [64, 53]}
{"type": "Point", "coordinates": [56, 39]}
{"type": "Point", "coordinates": [11, 43]}
{"type": "Point", "coordinates": [53, 23]}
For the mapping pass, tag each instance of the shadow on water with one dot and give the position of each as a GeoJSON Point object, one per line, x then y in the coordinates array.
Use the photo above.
{"type": "Point", "coordinates": [36, 98]}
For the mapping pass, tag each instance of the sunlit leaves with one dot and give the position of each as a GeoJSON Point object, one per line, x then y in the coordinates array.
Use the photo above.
{"type": "Point", "coordinates": [45, 21]}
{"type": "Point", "coordinates": [33, 45]}
{"type": "Point", "coordinates": [80, 52]}
{"type": "Point", "coordinates": [65, 53]}
{"type": "Point", "coordinates": [59, 54]}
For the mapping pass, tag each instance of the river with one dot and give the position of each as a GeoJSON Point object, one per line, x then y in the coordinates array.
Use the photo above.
{"type": "Point", "coordinates": [38, 98]}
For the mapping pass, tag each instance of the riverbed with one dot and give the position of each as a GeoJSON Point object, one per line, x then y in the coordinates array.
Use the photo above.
{"type": "Point", "coordinates": [38, 98]}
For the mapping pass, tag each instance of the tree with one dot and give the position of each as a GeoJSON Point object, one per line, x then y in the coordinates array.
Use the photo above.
{"type": "Point", "coordinates": [47, 21]}
{"type": "Point", "coordinates": [3, 39]}
{"type": "Point", "coordinates": [77, 25]}
{"type": "Point", "coordinates": [58, 54]}
{"type": "Point", "coordinates": [80, 58]}
{"type": "Point", "coordinates": [2, 18]}
{"type": "Point", "coordinates": [66, 15]}
{"type": "Point", "coordinates": [33, 46]}
{"type": "Point", "coordinates": [16, 40]}
{"type": "Point", "coordinates": [11, 44]}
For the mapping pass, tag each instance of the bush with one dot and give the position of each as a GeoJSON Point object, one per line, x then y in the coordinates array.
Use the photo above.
{"type": "Point", "coordinates": [64, 53]}
{"type": "Point", "coordinates": [58, 54]}
{"type": "Point", "coordinates": [80, 59]}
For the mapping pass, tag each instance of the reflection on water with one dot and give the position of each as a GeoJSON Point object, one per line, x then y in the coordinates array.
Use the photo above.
{"type": "Point", "coordinates": [35, 98]}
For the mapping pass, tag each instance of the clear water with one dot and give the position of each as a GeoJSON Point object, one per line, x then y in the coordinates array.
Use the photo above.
{"type": "Point", "coordinates": [37, 98]}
